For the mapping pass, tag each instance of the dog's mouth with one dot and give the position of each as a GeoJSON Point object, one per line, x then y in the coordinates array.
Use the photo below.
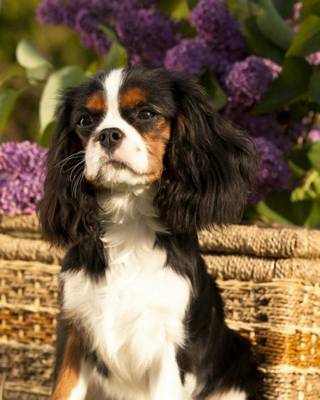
{"type": "Point", "coordinates": [118, 164]}
{"type": "Point", "coordinates": [122, 165]}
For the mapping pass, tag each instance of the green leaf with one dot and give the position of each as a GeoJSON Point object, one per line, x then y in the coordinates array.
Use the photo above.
{"type": "Point", "coordinates": [279, 208]}
{"type": "Point", "coordinates": [292, 83]}
{"type": "Point", "coordinates": [111, 35]}
{"type": "Point", "coordinates": [218, 97]}
{"type": "Point", "coordinates": [310, 7]}
{"type": "Point", "coordinates": [177, 9]}
{"type": "Point", "coordinates": [307, 40]}
{"type": "Point", "coordinates": [270, 214]}
{"type": "Point", "coordinates": [116, 57]}
{"type": "Point", "coordinates": [314, 86]}
{"type": "Point", "coordinates": [259, 44]}
{"type": "Point", "coordinates": [299, 162]}
{"type": "Point", "coordinates": [8, 99]}
{"type": "Point", "coordinates": [28, 56]}
{"type": "Point", "coordinates": [61, 79]}
{"type": "Point", "coordinates": [313, 154]}
{"type": "Point", "coordinates": [36, 65]}
{"type": "Point", "coordinates": [38, 74]}
{"type": "Point", "coordinates": [272, 25]}
{"type": "Point", "coordinates": [313, 219]}
{"type": "Point", "coordinates": [192, 3]}
{"type": "Point", "coordinates": [44, 138]}
{"type": "Point", "coordinates": [309, 190]}
{"type": "Point", "coordinates": [284, 8]}
{"type": "Point", "coordinates": [240, 9]}
{"type": "Point", "coordinates": [186, 29]}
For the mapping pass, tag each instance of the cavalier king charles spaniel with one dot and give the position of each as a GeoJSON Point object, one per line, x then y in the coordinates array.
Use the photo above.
{"type": "Point", "coordinates": [139, 163]}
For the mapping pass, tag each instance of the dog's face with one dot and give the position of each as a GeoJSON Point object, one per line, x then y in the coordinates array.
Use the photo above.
{"type": "Point", "coordinates": [141, 127]}
{"type": "Point", "coordinates": [123, 120]}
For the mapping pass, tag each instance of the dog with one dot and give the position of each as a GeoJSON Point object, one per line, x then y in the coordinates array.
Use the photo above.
{"type": "Point", "coordinates": [140, 162]}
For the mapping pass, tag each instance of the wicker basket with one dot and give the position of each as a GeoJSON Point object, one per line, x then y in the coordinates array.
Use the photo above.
{"type": "Point", "coordinates": [270, 281]}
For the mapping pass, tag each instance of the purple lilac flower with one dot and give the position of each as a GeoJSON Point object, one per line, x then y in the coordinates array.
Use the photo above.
{"type": "Point", "coordinates": [190, 56]}
{"type": "Point", "coordinates": [80, 15]}
{"type": "Point", "coordinates": [314, 134]}
{"type": "Point", "coordinates": [296, 16]}
{"type": "Point", "coordinates": [148, 34]}
{"type": "Point", "coordinates": [58, 12]}
{"type": "Point", "coordinates": [314, 58]}
{"type": "Point", "coordinates": [51, 12]}
{"type": "Point", "coordinates": [218, 28]}
{"type": "Point", "coordinates": [87, 25]}
{"type": "Point", "coordinates": [273, 170]}
{"type": "Point", "coordinates": [274, 68]}
{"type": "Point", "coordinates": [22, 175]}
{"type": "Point", "coordinates": [248, 81]}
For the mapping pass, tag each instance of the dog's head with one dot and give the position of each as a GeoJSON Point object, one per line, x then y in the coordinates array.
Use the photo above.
{"type": "Point", "coordinates": [137, 127]}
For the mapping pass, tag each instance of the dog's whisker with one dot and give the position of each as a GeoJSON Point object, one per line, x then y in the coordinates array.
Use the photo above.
{"type": "Point", "coordinates": [70, 157]}
{"type": "Point", "coordinates": [75, 183]}
{"type": "Point", "coordinates": [74, 167]}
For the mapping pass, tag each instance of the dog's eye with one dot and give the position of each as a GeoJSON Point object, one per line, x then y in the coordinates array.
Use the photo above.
{"type": "Point", "coordinates": [145, 115]}
{"type": "Point", "coordinates": [85, 121]}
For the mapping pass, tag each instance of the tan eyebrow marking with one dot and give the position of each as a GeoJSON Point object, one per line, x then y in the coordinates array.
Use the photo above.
{"type": "Point", "coordinates": [156, 141]}
{"type": "Point", "coordinates": [97, 103]}
{"type": "Point", "coordinates": [132, 97]}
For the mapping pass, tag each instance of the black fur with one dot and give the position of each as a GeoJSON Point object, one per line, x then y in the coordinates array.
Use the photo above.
{"type": "Point", "coordinates": [67, 215]}
{"type": "Point", "coordinates": [209, 164]}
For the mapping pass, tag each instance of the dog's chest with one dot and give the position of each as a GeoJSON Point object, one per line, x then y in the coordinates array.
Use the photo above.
{"type": "Point", "coordinates": [134, 311]}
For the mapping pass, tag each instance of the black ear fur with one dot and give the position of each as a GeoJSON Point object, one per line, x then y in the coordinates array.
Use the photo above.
{"type": "Point", "coordinates": [66, 215]}
{"type": "Point", "coordinates": [209, 165]}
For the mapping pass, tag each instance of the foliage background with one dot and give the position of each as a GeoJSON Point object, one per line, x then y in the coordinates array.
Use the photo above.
{"type": "Point", "coordinates": [271, 87]}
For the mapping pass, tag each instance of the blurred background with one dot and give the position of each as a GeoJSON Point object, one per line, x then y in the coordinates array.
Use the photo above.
{"type": "Point", "coordinates": [258, 59]}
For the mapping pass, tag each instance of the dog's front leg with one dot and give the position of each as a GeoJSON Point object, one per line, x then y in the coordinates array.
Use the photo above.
{"type": "Point", "coordinates": [74, 372]}
{"type": "Point", "coordinates": [165, 381]}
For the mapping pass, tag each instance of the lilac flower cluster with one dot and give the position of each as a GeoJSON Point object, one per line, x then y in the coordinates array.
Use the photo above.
{"type": "Point", "coordinates": [82, 16]}
{"type": "Point", "coordinates": [248, 81]}
{"type": "Point", "coordinates": [314, 134]}
{"type": "Point", "coordinates": [190, 56]}
{"type": "Point", "coordinates": [22, 174]}
{"type": "Point", "coordinates": [147, 35]}
{"type": "Point", "coordinates": [219, 29]}
{"type": "Point", "coordinates": [273, 170]}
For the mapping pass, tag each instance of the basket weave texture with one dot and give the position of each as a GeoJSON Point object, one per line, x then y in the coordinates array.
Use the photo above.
{"type": "Point", "coordinates": [270, 282]}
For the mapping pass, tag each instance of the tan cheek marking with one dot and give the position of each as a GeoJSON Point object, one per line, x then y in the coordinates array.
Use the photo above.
{"type": "Point", "coordinates": [70, 369]}
{"type": "Point", "coordinates": [97, 103]}
{"type": "Point", "coordinates": [156, 142]}
{"type": "Point", "coordinates": [132, 97]}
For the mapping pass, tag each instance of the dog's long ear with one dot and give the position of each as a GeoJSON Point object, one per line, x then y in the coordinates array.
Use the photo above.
{"type": "Point", "coordinates": [68, 208]}
{"type": "Point", "coordinates": [209, 164]}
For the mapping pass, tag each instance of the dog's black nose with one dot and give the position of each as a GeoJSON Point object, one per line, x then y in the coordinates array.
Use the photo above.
{"type": "Point", "coordinates": [110, 138]}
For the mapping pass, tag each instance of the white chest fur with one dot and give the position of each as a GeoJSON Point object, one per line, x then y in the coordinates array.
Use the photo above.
{"type": "Point", "coordinates": [134, 312]}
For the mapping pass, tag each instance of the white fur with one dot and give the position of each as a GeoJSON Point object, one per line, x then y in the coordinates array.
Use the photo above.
{"type": "Point", "coordinates": [93, 159]}
{"type": "Point", "coordinates": [132, 149]}
{"type": "Point", "coordinates": [133, 315]}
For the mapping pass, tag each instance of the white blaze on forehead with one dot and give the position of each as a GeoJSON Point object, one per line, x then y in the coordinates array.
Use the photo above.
{"type": "Point", "coordinates": [132, 150]}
